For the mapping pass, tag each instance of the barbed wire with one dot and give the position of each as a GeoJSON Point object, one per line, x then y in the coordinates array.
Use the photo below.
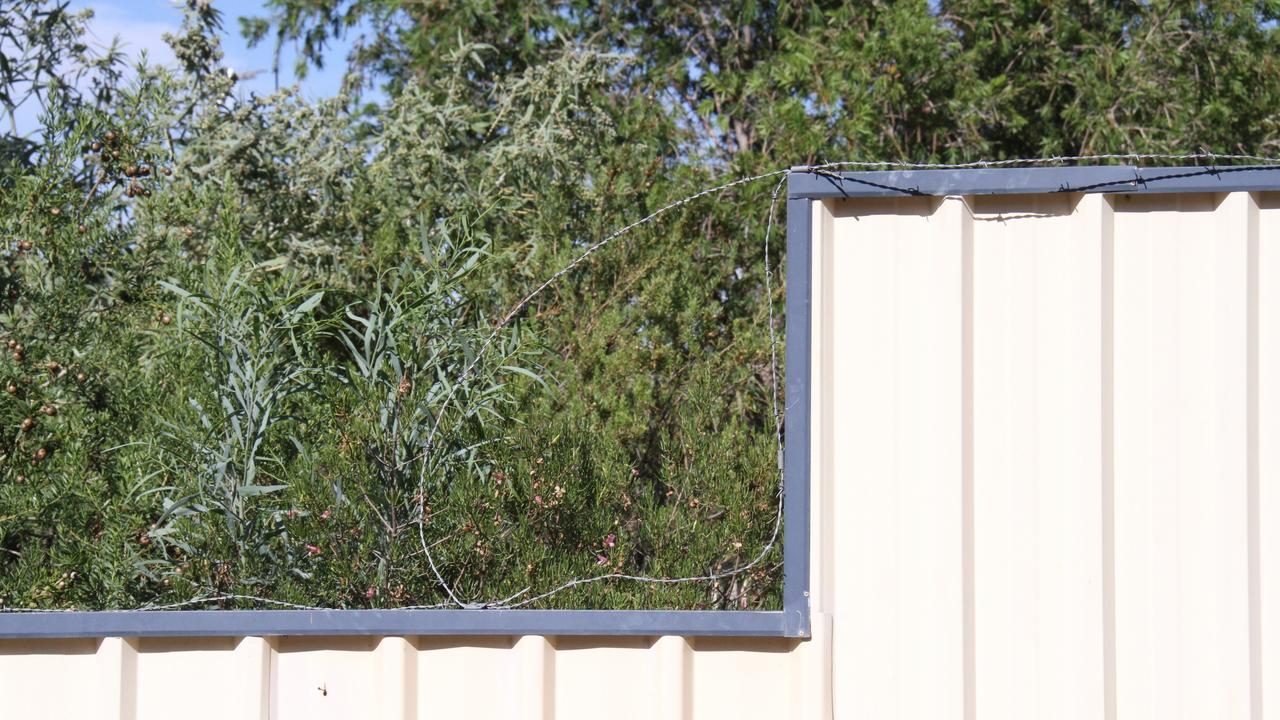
{"type": "Point", "coordinates": [1055, 159]}
{"type": "Point", "coordinates": [520, 306]}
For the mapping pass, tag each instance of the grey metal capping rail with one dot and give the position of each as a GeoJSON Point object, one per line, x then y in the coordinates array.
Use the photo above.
{"type": "Point", "coordinates": [235, 623]}
{"type": "Point", "coordinates": [1017, 181]}
{"type": "Point", "coordinates": [804, 187]}
{"type": "Point", "coordinates": [797, 400]}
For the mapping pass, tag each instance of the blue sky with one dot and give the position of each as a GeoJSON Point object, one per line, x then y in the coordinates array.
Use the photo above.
{"type": "Point", "coordinates": [141, 24]}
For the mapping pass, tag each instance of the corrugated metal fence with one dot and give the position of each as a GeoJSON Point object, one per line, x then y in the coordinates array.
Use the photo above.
{"type": "Point", "coordinates": [1050, 455]}
{"type": "Point", "coordinates": [1046, 483]}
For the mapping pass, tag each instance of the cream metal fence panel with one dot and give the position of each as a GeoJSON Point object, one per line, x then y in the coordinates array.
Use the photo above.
{"type": "Point", "coordinates": [1050, 454]}
{"type": "Point", "coordinates": [429, 677]}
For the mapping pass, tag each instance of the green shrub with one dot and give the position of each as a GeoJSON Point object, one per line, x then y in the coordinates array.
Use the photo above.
{"type": "Point", "coordinates": [244, 352]}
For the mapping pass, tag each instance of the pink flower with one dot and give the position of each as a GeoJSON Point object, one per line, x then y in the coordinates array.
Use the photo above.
{"type": "Point", "coordinates": [370, 592]}
{"type": "Point", "coordinates": [325, 515]}
{"type": "Point", "coordinates": [600, 559]}
{"type": "Point", "coordinates": [537, 499]}
{"type": "Point", "coordinates": [610, 540]}
{"type": "Point", "coordinates": [291, 514]}
{"type": "Point", "coordinates": [312, 549]}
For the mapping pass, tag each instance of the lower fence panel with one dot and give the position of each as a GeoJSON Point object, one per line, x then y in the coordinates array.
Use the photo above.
{"type": "Point", "coordinates": [403, 678]}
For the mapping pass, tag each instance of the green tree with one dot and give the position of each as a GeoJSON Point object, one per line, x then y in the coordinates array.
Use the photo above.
{"type": "Point", "coordinates": [771, 83]}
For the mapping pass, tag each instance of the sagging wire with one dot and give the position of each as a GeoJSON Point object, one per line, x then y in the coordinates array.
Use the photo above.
{"type": "Point", "coordinates": [820, 169]}
{"type": "Point", "coordinates": [493, 337]}
{"type": "Point", "coordinates": [777, 427]}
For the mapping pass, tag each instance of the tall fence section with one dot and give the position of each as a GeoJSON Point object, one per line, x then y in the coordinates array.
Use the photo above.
{"type": "Point", "coordinates": [1044, 481]}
